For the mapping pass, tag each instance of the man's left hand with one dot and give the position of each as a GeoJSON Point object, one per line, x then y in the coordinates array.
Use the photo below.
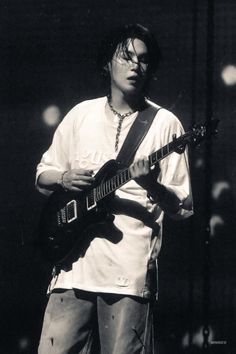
{"type": "Point", "coordinates": [145, 176]}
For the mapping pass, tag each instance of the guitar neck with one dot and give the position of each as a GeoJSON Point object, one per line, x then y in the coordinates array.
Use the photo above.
{"type": "Point", "coordinates": [124, 176]}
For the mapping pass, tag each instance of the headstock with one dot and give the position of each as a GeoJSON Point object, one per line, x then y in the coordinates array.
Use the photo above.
{"type": "Point", "coordinates": [195, 135]}
{"type": "Point", "coordinates": [200, 132]}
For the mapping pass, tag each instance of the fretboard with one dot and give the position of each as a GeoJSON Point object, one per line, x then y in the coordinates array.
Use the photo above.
{"type": "Point", "coordinates": [123, 176]}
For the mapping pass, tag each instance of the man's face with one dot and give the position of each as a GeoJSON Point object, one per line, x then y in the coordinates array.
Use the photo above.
{"type": "Point", "coordinates": [128, 67]}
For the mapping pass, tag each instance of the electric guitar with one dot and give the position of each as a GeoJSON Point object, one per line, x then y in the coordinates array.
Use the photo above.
{"type": "Point", "coordinates": [68, 215]}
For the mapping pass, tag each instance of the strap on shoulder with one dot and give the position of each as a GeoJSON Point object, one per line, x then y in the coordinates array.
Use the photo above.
{"type": "Point", "coordinates": [136, 135]}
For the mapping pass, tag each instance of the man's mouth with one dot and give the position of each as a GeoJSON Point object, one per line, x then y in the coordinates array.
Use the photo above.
{"type": "Point", "coordinates": [133, 78]}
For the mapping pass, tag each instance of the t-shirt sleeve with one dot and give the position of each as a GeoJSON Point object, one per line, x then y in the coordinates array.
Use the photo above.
{"type": "Point", "coordinates": [175, 174]}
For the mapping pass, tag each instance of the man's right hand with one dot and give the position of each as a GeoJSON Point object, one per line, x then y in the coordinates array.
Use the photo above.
{"type": "Point", "coordinates": [77, 179]}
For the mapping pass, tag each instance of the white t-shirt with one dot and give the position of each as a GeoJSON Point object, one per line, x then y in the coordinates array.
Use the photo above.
{"type": "Point", "coordinates": [116, 260]}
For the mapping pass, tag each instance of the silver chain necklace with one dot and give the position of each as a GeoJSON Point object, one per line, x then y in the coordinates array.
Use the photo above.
{"type": "Point", "coordinates": [121, 118]}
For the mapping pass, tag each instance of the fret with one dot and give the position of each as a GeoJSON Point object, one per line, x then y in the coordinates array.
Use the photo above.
{"type": "Point", "coordinates": [114, 184]}
{"type": "Point", "coordinates": [108, 186]}
{"type": "Point", "coordinates": [117, 182]}
{"type": "Point", "coordinates": [122, 177]}
{"type": "Point", "coordinates": [161, 152]}
{"type": "Point", "coordinates": [96, 192]}
{"type": "Point", "coordinates": [119, 179]}
{"type": "Point", "coordinates": [168, 148]}
{"type": "Point", "coordinates": [171, 147]}
{"type": "Point", "coordinates": [159, 155]}
{"type": "Point", "coordinates": [126, 175]}
{"type": "Point", "coordinates": [105, 188]}
{"type": "Point", "coordinates": [164, 151]}
{"type": "Point", "coordinates": [102, 190]}
{"type": "Point", "coordinates": [111, 185]}
{"type": "Point", "coordinates": [110, 189]}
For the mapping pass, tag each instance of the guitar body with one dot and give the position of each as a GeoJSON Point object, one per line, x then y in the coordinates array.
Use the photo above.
{"type": "Point", "coordinates": [67, 217]}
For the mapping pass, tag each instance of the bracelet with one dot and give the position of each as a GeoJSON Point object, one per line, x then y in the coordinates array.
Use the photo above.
{"type": "Point", "coordinates": [61, 181]}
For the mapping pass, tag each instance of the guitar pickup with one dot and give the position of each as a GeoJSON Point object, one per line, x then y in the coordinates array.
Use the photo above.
{"type": "Point", "coordinates": [71, 211]}
{"type": "Point", "coordinates": [90, 201]}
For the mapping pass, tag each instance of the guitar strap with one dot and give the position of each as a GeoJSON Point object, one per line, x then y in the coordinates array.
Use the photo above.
{"type": "Point", "coordinates": [136, 135]}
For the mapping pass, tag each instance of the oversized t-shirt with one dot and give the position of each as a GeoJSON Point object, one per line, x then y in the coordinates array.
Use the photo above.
{"type": "Point", "coordinates": [118, 257]}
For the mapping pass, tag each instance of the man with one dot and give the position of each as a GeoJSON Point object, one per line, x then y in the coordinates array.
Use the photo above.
{"type": "Point", "coordinates": [110, 287]}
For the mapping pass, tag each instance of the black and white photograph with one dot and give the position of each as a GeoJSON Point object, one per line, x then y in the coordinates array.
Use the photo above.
{"type": "Point", "coordinates": [118, 177]}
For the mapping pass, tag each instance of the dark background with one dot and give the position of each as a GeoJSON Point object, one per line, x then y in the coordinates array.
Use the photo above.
{"type": "Point", "coordinates": [48, 57]}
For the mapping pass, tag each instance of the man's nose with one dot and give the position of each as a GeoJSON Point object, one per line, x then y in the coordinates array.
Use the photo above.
{"type": "Point", "coordinates": [134, 62]}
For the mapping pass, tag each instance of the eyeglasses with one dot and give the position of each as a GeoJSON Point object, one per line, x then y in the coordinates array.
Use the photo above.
{"type": "Point", "coordinates": [124, 59]}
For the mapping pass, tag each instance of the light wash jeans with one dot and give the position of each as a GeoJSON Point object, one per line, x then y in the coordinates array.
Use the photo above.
{"type": "Point", "coordinates": [123, 324]}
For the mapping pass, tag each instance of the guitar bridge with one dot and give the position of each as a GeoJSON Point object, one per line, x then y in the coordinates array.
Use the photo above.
{"type": "Point", "coordinates": [71, 211]}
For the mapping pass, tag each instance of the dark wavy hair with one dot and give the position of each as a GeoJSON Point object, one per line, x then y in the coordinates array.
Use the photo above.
{"type": "Point", "coordinates": [118, 39]}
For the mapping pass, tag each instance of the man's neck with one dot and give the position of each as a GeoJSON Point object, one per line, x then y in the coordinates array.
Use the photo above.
{"type": "Point", "coordinates": [124, 103]}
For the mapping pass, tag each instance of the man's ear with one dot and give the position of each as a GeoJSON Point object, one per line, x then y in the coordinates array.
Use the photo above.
{"type": "Point", "coordinates": [107, 68]}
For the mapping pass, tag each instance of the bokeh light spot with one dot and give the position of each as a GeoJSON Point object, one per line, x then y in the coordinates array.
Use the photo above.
{"type": "Point", "coordinates": [51, 115]}
{"type": "Point", "coordinates": [228, 75]}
